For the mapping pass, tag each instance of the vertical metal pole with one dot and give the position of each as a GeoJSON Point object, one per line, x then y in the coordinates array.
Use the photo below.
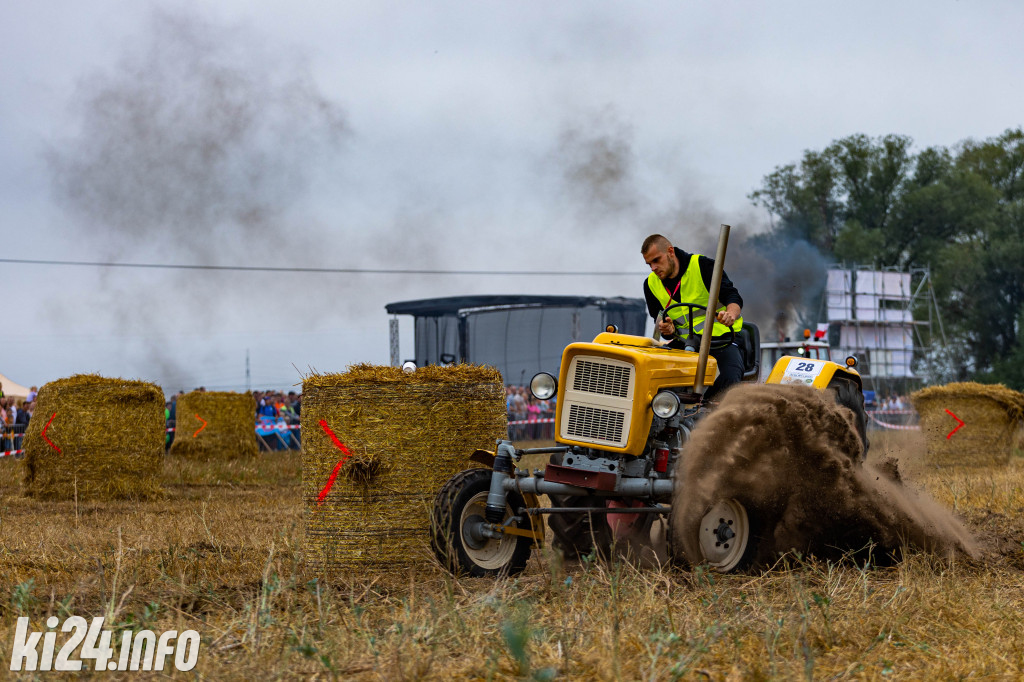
{"type": "Point", "coordinates": [393, 333]}
{"type": "Point", "coordinates": [248, 376]}
{"type": "Point", "coordinates": [709, 319]}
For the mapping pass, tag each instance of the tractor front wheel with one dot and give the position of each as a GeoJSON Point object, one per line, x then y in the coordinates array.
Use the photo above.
{"type": "Point", "coordinates": [724, 536]}
{"type": "Point", "coordinates": [457, 529]}
{"type": "Point", "coordinates": [721, 535]}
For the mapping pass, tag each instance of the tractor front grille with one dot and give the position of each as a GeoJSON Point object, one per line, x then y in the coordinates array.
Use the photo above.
{"type": "Point", "coordinates": [595, 424]}
{"type": "Point", "coordinates": [600, 377]}
{"type": "Point", "coordinates": [598, 401]}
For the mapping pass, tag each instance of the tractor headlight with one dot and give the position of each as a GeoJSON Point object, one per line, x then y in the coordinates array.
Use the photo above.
{"type": "Point", "coordinates": [543, 386]}
{"type": "Point", "coordinates": [665, 404]}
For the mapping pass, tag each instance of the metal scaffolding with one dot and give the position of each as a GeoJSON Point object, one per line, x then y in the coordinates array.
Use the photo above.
{"type": "Point", "coordinates": [870, 313]}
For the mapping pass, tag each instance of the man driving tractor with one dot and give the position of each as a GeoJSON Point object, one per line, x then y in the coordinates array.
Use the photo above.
{"type": "Point", "coordinates": [679, 277]}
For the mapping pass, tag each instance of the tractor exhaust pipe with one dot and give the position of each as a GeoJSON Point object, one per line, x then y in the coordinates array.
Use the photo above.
{"type": "Point", "coordinates": [709, 319]}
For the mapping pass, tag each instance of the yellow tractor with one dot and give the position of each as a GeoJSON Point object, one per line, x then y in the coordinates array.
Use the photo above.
{"type": "Point", "coordinates": [625, 408]}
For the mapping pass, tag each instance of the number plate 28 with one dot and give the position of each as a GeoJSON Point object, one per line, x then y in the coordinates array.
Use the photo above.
{"type": "Point", "coordinates": [801, 371]}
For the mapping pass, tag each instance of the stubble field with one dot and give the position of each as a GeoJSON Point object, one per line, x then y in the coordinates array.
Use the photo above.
{"type": "Point", "coordinates": [221, 553]}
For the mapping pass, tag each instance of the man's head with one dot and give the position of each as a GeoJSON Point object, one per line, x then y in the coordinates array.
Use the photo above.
{"type": "Point", "coordinates": [660, 256]}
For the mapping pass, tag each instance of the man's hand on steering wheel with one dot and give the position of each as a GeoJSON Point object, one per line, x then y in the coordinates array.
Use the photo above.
{"type": "Point", "coordinates": [667, 326]}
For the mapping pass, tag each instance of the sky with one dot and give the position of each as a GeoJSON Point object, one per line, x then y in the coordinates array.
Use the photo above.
{"type": "Point", "coordinates": [507, 136]}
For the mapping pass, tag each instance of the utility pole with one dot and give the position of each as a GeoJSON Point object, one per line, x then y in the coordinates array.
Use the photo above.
{"type": "Point", "coordinates": [248, 377]}
{"type": "Point", "coordinates": [396, 360]}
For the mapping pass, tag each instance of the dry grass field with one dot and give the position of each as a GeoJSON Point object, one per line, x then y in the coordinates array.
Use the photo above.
{"type": "Point", "coordinates": [220, 553]}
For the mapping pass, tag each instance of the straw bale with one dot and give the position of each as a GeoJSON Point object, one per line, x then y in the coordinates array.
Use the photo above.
{"type": "Point", "coordinates": [407, 433]}
{"type": "Point", "coordinates": [230, 430]}
{"type": "Point", "coordinates": [991, 414]}
{"type": "Point", "coordinates": [111, 438]}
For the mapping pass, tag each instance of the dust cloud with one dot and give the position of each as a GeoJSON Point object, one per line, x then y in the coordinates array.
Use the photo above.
{"type": "Point", "coordinates": [598, 163]}
{"type": "Point", "coordinates": [198, 140]}
{"type": "Point", "coordinates": [199, 145]}
{"type": "Point", "coordinates": [619, 195]}
{"type": "Point", "coordinates": [792, 457]}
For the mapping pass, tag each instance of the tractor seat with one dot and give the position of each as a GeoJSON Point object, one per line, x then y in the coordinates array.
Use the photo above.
{"type": "Point", "coordinates": [749, 341]}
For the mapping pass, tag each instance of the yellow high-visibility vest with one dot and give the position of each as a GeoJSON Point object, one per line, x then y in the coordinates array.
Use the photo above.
{"type": "Point", "coordinates": [691, 290]}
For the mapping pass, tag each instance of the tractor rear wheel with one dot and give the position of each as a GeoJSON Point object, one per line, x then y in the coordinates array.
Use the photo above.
{"type": "Point", "coordinates": [457, 522]}
{"type": "Point", "coordinates": [578, 534]}
{"type": "Point", "coordinates": [849, 395]}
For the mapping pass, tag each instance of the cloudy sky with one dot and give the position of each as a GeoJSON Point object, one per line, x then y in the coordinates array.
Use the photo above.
{"type": "Point", "coordinates": [403, 136]}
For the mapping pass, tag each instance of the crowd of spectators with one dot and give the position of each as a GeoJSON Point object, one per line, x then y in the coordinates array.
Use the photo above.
{"type": "Point", "coordinates": [894, 401]}
{"type": "Point", "coordinates": [875, 401]}
{"type": "Point", "coordinates": [276, 404]}
{"type": "Point", "coordinates": [14, 417]}
{"type": "Point", "coordinates": [276, 412]}
{"type": "Point", "coordinates": [522, 406]}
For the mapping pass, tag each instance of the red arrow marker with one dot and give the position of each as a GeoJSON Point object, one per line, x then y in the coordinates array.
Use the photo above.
{"type": "Point", "coordinates": [337, 467]}
{"type": "Point", "coordinates": [959, 426]}
{"type": "Point", "coordinates": [47, 439]}
{"type": "Point", "coordinates": [201, 427]}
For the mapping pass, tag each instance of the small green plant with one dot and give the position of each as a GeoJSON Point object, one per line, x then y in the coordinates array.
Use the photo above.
{"type": "Point", "coordinates": [22, 599]}
{"type": "Point", "coordinates": [517, 633]}
{"type": "Point", "coordinates": [150, 612]}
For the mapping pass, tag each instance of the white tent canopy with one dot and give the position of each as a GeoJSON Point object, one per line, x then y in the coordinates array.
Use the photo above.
{"type": "Point", "coordinates": [12, 389]}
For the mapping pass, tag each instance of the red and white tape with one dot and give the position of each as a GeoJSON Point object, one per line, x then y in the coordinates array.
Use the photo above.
{"type": "Point", "coordinates": [531, 421]}
{"type": "Point", "coordinates": [8, 453]}
{"type": "Point", "coordinates": [276, 427]}
{"type": "Point", "coordinates": [896, 427]}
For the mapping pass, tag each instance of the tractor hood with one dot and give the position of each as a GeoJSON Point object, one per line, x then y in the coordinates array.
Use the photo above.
{"type": "Point", "coordinates": [605, 389]}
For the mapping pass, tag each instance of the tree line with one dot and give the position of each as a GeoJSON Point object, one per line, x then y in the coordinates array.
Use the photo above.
{"type": "Point", "coordinates": [960, 211]}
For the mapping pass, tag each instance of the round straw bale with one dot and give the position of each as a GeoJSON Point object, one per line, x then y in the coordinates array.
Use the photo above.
{"type": "Point", "coordinates": [213, 425]}
{"type": "Point", "coordinates": [104, 439]}
{"type": "Point", "coordinates": [400, 437]}
{"type": "Point", "coordinates": [990, 413]}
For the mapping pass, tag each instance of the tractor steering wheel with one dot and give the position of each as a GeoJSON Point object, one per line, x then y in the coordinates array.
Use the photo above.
{"type": "Point", "coordinates": [690, 306]}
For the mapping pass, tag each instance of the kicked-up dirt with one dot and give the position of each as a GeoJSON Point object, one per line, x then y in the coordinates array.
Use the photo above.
{"type": "Point", "coordinates": [792, 457]}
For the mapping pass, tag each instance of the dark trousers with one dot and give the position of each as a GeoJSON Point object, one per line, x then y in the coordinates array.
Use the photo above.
{"type": "Point", "coordinates": [730, 370]}
{"type": "Point", "coordinates": [730, 366]}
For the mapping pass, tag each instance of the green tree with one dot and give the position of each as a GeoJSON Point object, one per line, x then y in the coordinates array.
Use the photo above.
{"type": "Point", "coordinates": [991, 286]}
{"type": "Point", "coordinates": [805, 199]}
{"type": "Point", "coordinates": [852, 185]}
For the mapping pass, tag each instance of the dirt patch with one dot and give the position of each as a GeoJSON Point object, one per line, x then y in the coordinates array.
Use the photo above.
{"type": "Point", "coordinates": [793, 458]}
{"type": "Point", "coordinates": [999, 539]}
